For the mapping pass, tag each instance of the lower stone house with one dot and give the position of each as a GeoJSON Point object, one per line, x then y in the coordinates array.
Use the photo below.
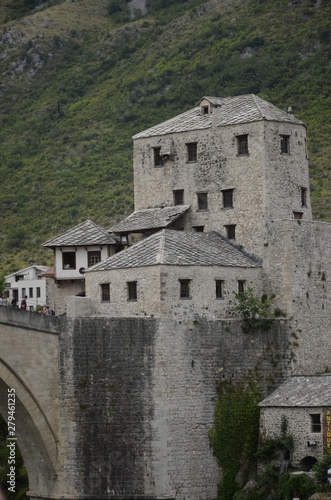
{"type": "Point", "coordinates": [302, 404]}
{"type": "Point", "coordinates": [28, 282]}
{"type": "Point", "coordinates": [173, 274]}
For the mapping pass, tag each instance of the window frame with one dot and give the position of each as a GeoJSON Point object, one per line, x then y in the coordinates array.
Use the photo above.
{"type": "Point", "coordinates": [192, 152]}
{"type": "Point", "coordinates": [297, 215]}
{"type": "Point", "coordinates": [198, 229]}
{"type": "Point", "coordinates": [315, 424]}
{"type": "Point", "coordinates": [178, 196]}
{"type": "Point", "coordinates": [90, 255]}
{"type": "Point", "coordinates": [38, 292]}
{"type": "Point", "coordinates": [219, 289]}
{"type": "Point", "coordinates": [227, 198]}
{"type": "Point", "coordinates": [242, 140]}
{"type": "Point", "coordinates": [105, 292]}
{"type": "Point", "coordinates": [241, 286]}
{"type": "Point", "coordinates": [230, 231]}
{"type": "Point", "coordinates": [132, 291]}
{"type": "Point", "coordinates": [285, 144]}
{"type": "Point", "coordinates": [157, 158]}
{"type": "Point", "coordinates": [202, 206]}
{"type": "Point", "coordinates": [70, 268]}
{"type": "Point", "coordinates": [184, 288]}
{"type": "Point", "coordinates": [304, 197]}
{"type": "Point", "coordinates": [30, 292]}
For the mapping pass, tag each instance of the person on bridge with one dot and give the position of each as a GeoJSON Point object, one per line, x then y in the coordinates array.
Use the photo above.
{"type": "Point", "coordinates": [23, 302]}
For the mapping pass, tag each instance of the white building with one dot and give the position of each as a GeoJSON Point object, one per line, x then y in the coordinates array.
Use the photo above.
{"type": "Point", "coordinates": [27, 282]}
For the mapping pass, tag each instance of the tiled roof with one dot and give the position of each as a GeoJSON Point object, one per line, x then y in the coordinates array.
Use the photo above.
{"type": "Point", "coordinates": [86, 233]}
{"type": "Point", "coordinates": [150, 218]}
{"type": "Point", "coordinates": [227, 111]}
{"type": "Point", "coordinates": [178, 248]}
{"type": "Point", "coordinates": [305, 391]}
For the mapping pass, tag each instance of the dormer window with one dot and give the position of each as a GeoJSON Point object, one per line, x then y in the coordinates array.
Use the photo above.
{"type": "Point", "coordinates": [205, 110]}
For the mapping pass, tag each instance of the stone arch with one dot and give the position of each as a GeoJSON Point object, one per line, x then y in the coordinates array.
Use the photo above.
{"type": "Point", "coordinates": [35, 436]}
{"type": "Point", "coordinates": [307, 463]}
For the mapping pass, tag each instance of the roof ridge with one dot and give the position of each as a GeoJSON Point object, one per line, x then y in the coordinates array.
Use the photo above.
{"type": "Point", "coordinates": [160, 255]}
{"type": "Point", "coordinates": [257, 105]}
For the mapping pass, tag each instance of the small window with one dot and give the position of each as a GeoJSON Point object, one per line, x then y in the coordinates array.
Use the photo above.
{"type": "Point", "coordinates": [93, 258]}
{"type": "Point", "coordinates": [198, 229]}
{"type": "Point", "coordinates": [316, 422]}
{"type": "Point", "coordinates": [219, 289]}
{"type": "Point", "coordinates": [297, 215]}
{"type": "Point", "coordinates": [23, 292]}
{"type": "Point", "coordinates": [242, 142]}
{"type": "Point", "coordinates": [105, 292]}
{"type": "Point", "coordinates": [157, 157]}
{"type": "Point", "coordinates": [303, 197]}
{"type": "Point", "coordinates": [184, 289]}
{"type": "Point", "coordinates": [38, 292]}
{"type": "Point", "coordinates": [231, 231]}
{"type": "Point", "coordinates": [69, 260]}
{"type": "Point", "coordinates": [179, 197]}
{"type": "Point", "coordinates": [205, 110]}
{"type": "Point", "coordinates": [30, 293]}
{"type": "Point", "coordinates": [241, 286]}
{"type": "Point", "coordinates": [285, 144]}
{"type": "Point", "coordinates": [202, 201]}
{"type": "Point", "coordinates": [192, 151]}
{"type": "Point", "coordinates": [132, 290]}
{"type": "Point", "coordinates": [227, 198]}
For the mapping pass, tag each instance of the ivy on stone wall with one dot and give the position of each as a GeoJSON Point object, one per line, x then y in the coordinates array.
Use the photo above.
{"type": "Point", "coordinates": [234, 437]}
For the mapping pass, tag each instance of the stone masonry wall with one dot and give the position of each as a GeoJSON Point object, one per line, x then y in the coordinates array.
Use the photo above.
{"type": "Point", "coordinates": [298, 425]}
{"type": "Point", "coordinates": [158, 291]}
{"type": "Point", "coordinates": [266, 183]}
{"type": "Point", "coordinates": [141, 396]}
{"type": "Point", "coordinates": [297, 266]}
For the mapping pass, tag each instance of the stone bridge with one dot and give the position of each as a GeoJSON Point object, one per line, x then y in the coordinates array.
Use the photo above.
{"type": "Point", "coordinates": [121, 407]}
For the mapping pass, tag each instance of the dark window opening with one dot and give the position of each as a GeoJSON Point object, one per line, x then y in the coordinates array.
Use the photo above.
{"type": "Point", "coordinates": [316, 422]}
{"type": "Point", "coordinates": [198, 229]}
{"type": "Point", "coordinates": [297, 215]}
{"type": "Point", "coordinates": [93, 258]}
{"type": "Point", "coordinates": [192, 152]}
{"type": "Point", "coordinates": [307, 463]}
{"type": "Point", "coordinates": [231, 231]}
{"type": "Point", "coordinates": [219, 289]}
{"type": "Point", "coordinates": [38, 292]}
{"type": "Point", "coordinates": [227, 198]}
{"type": "Point", "coordinates": [184, 289]}
{"type": "Point", "coordinates": [105, 292]}
{"type": "Point", "coordinates": [179, 197]}
{"type": "Point", "coordinates": [285, 144]}
{"type": "Point", "coordinates": [157, 157]}
{"type": "Point", "coordinates": [69, 260]}
{"type": "Point", "coordinates": [241, 286]}
{"type": "Point", "coordinates": [303, 197]}
{"type": "Point", "coordinates": [205, 110]}
{"type": "Point", "coordinates": [242, 141]}
{"type": "Point", "coordinates": [202, 201]}
{"type": "Point", "coordinates": [30, 293]}
{"type": "Point", "coordinates": [132, 290]}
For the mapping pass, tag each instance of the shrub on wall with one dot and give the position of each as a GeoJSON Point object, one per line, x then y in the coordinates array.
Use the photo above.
{"type": "Point", "coordinates": [255, 312]}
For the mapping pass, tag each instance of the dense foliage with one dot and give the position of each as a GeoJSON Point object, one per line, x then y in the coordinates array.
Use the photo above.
{"type": "Point", "coordinates": [78, 80]}
{"type": "Point", "coordinates": [234, 437]}
{"type": "Point", "coordinates": [255, 312]}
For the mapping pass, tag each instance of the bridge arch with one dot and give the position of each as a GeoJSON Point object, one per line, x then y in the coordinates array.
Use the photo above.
{"type": "Point", "coordinates": [36, 438]}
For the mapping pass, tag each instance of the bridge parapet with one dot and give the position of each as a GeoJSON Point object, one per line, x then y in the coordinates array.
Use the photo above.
{"type": "Point", "coordinates": [30, 320]}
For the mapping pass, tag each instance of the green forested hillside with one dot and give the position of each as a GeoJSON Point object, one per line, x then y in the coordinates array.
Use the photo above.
{"type": "Point", "coordinates": [79, 78]}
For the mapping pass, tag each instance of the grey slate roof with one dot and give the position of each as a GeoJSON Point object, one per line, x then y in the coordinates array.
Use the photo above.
{"type": "Point", "coordinates": [86, 233]}
{"type": "Point", "coordinates": [150, 218]}
{"type": "Point", "coordinates": [227, 111]}
{"type": "Point", "coordinates": [303, 391]}
{"type": "Point", "coordinates": [178, 248]}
